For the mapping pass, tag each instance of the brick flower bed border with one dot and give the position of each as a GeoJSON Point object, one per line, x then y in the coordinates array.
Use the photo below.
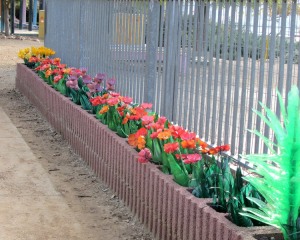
{"type": "Point", "coordinates": [166, 209]}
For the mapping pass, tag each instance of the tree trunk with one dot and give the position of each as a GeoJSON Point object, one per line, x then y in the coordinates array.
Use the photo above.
{"type": "Point", "coordinates": [6, 19]}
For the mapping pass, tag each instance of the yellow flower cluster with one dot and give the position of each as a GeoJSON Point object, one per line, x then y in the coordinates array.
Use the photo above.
{"type": "Point", "coordinates": [40, 52]}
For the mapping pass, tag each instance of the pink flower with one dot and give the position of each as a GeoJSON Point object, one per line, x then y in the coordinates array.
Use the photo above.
{"type": "Point", "coordinates": [146, 120]}
{"type": "Point", "coordinates": [112, 101]}
{"type": "Point", "coordinates": [162, 120]}
{"type": "Point", "coordinates": [110, 84]}
{"type": "Point", "coordinates": [92, 87]}
{"type": "Point", "coordinates": [146, 105]}
{"type": "Point", "coordinates": [57, 78]}
{"type": "Point", "coordinates": [115, 94]}
{"type": "Point", "coordinates": [155, 134]}
{"type": "Point", "coordinates": [99, 78]}
{"type": "Point", "coordinates": [188, 136]}
{"type": "Point", "coordinates": [126, 100]}
{"type": "Point", "coordinates": [192, 158]}
{"type": "Point", "coordinates": [83, 70]}
{"type": "Point", "coordinates": [144, 155]}
{"type": "Point", "coordinates": [171, 147]}
{"type": "Point", "coordinates": [86, 79]}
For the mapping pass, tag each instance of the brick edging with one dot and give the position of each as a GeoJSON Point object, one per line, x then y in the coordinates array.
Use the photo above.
{"type": "Point", "coordinates": [168, 210]}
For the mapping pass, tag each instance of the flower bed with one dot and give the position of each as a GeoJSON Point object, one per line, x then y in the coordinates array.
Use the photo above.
{"type": "Point", "coordinates": [150, 194]}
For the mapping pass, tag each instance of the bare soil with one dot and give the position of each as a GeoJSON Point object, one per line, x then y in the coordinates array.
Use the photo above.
{"type": "Point", "coordinates": [101, 214]}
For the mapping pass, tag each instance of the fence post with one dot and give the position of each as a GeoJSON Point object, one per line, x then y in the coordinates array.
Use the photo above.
{"type": "Point", "coordinates": [152, 43]}
{"type": "Point", "coordinates": [170, 58]}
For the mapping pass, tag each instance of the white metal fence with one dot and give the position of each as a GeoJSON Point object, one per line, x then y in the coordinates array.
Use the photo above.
{"type": "Point", "coordinates": [204, 64]}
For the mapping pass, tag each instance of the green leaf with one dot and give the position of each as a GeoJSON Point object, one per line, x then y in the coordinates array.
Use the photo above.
{"type": "Point", "coordinates": [258, 218]}
{"type": "Point", "coordinates": [121, 133]}
{"type": "Point", "coordinates": [61, 87]}
{"type": "Point", "coordinates": [85, 102]}
{"type": "Point", "coordinates": [156, 154]}
{"type": "Point", "coordinates": [179, 175]}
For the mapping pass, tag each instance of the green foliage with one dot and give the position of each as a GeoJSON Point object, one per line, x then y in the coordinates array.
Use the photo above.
{"type": "Point", "coordinates": [229, 192]}
{"type": "Point", "coordinates": [61, 86]}
{"type": "Point", "coordinates": [277, 176]}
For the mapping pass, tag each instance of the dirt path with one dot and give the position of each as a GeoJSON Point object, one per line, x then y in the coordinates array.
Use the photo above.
{"type": "Point", "coordinates": [100, 213]}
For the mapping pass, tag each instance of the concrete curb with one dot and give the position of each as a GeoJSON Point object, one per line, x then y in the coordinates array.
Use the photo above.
{"type": "Point", "coordinates": [168, 210]}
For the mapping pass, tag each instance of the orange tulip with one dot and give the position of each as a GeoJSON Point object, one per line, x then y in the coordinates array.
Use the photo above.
{"type": "Point", "coordinates": [132, 141]}
{"type": "Point", "coordinates": [141, 142]}
{"type": "Point", "coordinates": [188, 144]}
{"type": "Point", "coordinates": [104, 109]}
{"type": "Point", "coordinates": [164, 135]}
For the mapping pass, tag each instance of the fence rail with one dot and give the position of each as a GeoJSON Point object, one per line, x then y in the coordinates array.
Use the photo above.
{"type": "Point", "coordinates": [204, 64]}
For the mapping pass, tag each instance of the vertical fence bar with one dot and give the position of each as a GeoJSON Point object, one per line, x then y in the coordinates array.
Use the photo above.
{"type": "Point", "coordinates": [223, 97]}
{"type": "Point", "coordinates": [122, 44]}
{"type": "Point", "coordinates": [81, 31]}
{"type": "Point", "coordinates": [206, 7]}
{"type": "Point", "coordinates": [230, 70]}
{"type": "Point", "coordinates": [198, 60]}
{"type": "Point", "coordinates": [134, 50]}
{"type": "Point", "coordinates": [282, 52]}
{"type": "Point", "coordinates": [152, 39]}
{"type": "Point", "coordinates": [117, 45]}
{"type": "Point", "coordinates": [169, 84]}
{"type": "Point", "coordinates": [104, 44]}
{"type": "Point", "coordinates": [210, 85]}
{"type": "Point", "coordinates": [271, 68]}
{"type": "Point", "coordinates": [124, 57]}
{"type": "Point", "coordinates": [177, 61]}
{"type": "Point", "coordinates": [215, 104]}
{"type": "Point", "coordinates": [252, 77]}
{"type": "Point", "coordinates": [244, 82]}
{"type": "Point", "coordinates": [259, 126]}
{"type": "Point", "coordinates": [181, 99]}
{"type": "Point", "coordinates": [187, 79]}
{"type": "Point", "coordinates": [194, 49]}
{"type": "Point", "coordinates": [166, 39]}
{"type": "Point", "coordinates": [142, 50]}
{"type": "Point", "coordinates": [161, 53]}
{"type": "Point", "coordinates": [290, 60]}
{"type": "Point", "coordinates": [136, 55]}
{"type": "Point", "coordinates": [113, 41]}
{"type": "Point", "coordinates": [110, 24]}
{"type": "Point", "coordinates": [236, 101]}
{"type": "Point", "coordinates": [200, 81]}
{"type": "Point", "coordinates": [141, 62]}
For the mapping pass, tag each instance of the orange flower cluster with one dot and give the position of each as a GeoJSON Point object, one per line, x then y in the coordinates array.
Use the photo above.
{"type": "Point", "coordinates": [104, 109]}
{"type": "Point", "coordinates": [137, 139]}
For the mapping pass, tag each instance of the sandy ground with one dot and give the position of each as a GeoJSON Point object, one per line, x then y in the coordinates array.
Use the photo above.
{"type": "Point", "coordinates": [100, 213]}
